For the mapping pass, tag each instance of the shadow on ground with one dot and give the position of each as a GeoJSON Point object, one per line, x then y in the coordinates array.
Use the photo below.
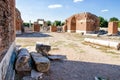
{"type": "Point", "coordinates": [34, 34]}
{"type": "Point", "coordinates": [78, 70]}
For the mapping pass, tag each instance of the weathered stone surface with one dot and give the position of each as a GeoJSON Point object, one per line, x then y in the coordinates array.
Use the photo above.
{"type": "Point", "coordinates": [18, 21]}
{"type": "Point", "coordinates": [83, 22]}
{"type": "Point", "coordinates": [28, 78]}
{"type": "Point", "coordinates": [23, 61]}
{"type": "Point", "coordinates": [55, 57]}
{"type": "Point", "coordinates": [42, 64]}
{"type": "Point", "coordinates": [36, 75]}
{"type": "Point", "coordinates": [43, 48]}
{"type": "Point", "coordinates": [111, 44]}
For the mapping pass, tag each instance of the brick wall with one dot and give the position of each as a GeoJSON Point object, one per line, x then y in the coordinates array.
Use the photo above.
{"type": "Point", "coordinates": [83, 22]}
{"type": "Point", "coordinates": [36, 27]}
{"type": "Point", "coordinates": [53, 29]}
{"type": "Point", "coordinates": [18, 21]}
{"type": "Point", "coordinates": [113, 28]}
{"type": "Point", "coordinates": [7, 34]}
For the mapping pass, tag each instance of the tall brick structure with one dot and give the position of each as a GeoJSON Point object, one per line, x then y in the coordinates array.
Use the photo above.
{"type": "Point", "coordinates": [83, 22]}
{"type": "Point", "coordinates": [113, 28]}
{"type": "Point", "coordinates": [36, 27]}
{"type": "Point", "coordinates": [7, 36]}
{"type": "Point", "coordinates": [18, 21]}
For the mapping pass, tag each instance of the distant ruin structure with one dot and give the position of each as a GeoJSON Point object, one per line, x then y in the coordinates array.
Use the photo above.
{"type": "Point", "coordinates": [113, 28]}
{"type": "Point", "coordinates": [83, 22]}
{"type": "Point", "coordinates": [19, 21]}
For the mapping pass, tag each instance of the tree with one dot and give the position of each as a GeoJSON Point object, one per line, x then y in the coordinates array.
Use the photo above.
{"type": "Point", "coordinates": [26, 24]}
{"type": "Point", "coordinates": [114, 19]}
{"type": "Point", "coordinates": [57, 23]}
{"type": "Point", "coordinates": [63, 23]}
{"type": "Point", "coordinates": [103, 22]}
{"type": "Point", "coordinates": [49, 23]}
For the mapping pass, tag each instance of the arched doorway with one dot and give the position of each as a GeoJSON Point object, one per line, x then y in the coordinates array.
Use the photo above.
{"type": "Point", "coordinates": [73, 24]}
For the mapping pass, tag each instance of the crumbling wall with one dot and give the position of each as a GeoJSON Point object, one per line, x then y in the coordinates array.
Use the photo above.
{"type": "Point", "coordinates": [7, 34]}
{"type": "Point", "coordinates": [18, 21]}
{"type": "Point", "coordinates": [83, 22]}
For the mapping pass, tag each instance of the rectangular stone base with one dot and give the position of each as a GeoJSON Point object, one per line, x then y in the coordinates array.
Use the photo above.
{"type": "Point", "coordinates": [5, 62]}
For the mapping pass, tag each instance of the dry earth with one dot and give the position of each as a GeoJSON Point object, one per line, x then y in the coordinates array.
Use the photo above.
{"type": "Point", "coordinates": [82, 62]}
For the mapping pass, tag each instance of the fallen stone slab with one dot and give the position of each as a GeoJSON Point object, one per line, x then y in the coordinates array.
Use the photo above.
{"type": "Point", "coordinates": [23, 60]}
{"type": "Point", "coordinates": [111, 44]}
{"type": "Point", "coordinates": [43, 48]}
{"type": "Point", "coordinates": [28, 78]}
{"type": "Point", "coordinates": [42, 64]}
{"type": "Point", "coordinates": [36, 75]}
{"type": "Point", "coordinates": [55, 57]}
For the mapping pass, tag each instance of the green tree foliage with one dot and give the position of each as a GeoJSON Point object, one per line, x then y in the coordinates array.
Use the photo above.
{"type": "Point", "coordinates": [57, 23]}
{"type": "Point", "coordinates": [63, 23]}
{"type": "Point", "coordinates": [103, 22]}
{"type": "Point", "coordinates": [49, 23]}
{"type": "Point", "coordinates": [26, 24]}
{"type": "Point", "coordinates": [114, 19]}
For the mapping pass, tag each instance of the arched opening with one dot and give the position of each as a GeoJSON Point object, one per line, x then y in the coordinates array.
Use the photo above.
{"type": "Point", "coordinates": [73, 24]}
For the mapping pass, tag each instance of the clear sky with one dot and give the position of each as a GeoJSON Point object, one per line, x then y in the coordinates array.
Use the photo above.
{"type": "Point", "coordinates": [62, 9]}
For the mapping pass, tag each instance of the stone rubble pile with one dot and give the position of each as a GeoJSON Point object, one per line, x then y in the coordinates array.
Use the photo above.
{"type": "Point", "coordinates": [36, 63]}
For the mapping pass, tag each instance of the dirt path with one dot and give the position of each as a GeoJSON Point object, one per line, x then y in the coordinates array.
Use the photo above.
{"type": "Point", "coordinates": [82, 61]}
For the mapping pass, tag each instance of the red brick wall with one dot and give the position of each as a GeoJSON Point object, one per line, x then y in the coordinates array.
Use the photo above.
{"type": "Point", "coordinates": [7, 24]}
{"type": "Point", "coordinates": [113, 28]}
{"type": "Point", "coordinates": [36, 27]}
{"type": "Point", "coordinates": [18, 20]}
{"type": "Point", "coordinates": [53, 29]}
{"type": "Point", "coordinates": [80, 25]}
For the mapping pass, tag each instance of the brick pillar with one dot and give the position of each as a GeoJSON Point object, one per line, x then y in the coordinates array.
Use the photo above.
{"type": "Point", "coordinates": [53, 29]}
{"type": "Point", "coordinates": [36, 27]}
{"type": "Point", "coordinates": [113, 28]}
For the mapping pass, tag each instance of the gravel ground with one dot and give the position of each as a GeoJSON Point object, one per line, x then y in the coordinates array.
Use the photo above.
{"type": "Point", "coordinates": [82, 62]}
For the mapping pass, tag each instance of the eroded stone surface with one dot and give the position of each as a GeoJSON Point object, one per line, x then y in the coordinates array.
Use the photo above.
{"type": "Point", "coordinates": [23, 61]}
{"type": "Point", "coordinates": [42, 64]}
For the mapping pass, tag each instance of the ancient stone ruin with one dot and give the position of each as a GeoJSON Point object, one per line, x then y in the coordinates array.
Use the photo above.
{"type": "Point", "coordinates": [18, 21]}
{"type": "Point", "coordinates": [7, 37]}
{"type": "Point", "coordinates": [83, 22]}
{"type": "Point", "coordinates": [113, 28]}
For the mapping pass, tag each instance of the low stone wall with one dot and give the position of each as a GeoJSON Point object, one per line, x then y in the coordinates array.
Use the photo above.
{"type": "Point", "coordinates": [4, 64]}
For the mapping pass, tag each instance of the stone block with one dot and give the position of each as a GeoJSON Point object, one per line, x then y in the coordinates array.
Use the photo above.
{"type": "Point", "coordinates": [42, 64]}
{"type": "Point", "coordinates": [43, 48]}
{"type": "Point", "coordinates": [23, 60]}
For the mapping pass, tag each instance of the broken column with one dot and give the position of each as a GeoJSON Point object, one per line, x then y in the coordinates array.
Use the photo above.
{"type": "Point", "coordinates": [23, 61]}
{"type": "Point", "coordinates": [113, 28]}
{"type": "Point", "coordinates": [42, 64]}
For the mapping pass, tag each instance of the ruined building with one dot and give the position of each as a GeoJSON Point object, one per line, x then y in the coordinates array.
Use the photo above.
{"type": "Point", "coordinates": [83, 22]}
{"type": "Point", "coordinates": [7, 37]}
{"type": "Point", "coordinates": [18, 21]}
